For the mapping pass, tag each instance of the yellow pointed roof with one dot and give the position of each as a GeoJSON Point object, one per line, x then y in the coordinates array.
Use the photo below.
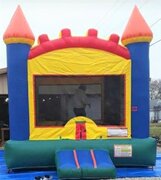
{"type": "Point", "coordinates": [137, 30]}
{"type": "Point", "coordinates": [18, 30]}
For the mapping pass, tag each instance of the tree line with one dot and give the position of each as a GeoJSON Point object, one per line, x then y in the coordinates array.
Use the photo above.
{"type": "Point", "coordinates": [155, 89]}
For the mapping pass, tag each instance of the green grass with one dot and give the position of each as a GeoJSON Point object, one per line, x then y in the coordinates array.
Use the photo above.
{"type": "Point", "coordinates": [155, 124]}
{"type": "Point", "coordinates": [155, 130]}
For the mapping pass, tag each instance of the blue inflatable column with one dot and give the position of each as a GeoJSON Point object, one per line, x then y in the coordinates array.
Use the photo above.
{"type": "Point", "coordinates": [19, 41]}
{"type": "Point", "coordinates": [17, 89]}
{"type": "Point", "coordinates": [140, 89]}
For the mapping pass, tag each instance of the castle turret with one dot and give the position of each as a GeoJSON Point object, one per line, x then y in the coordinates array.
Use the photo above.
{"type": "Point", "coordinates": [18, 38]}
{"type": "Point", "coordinates": [136, 38]}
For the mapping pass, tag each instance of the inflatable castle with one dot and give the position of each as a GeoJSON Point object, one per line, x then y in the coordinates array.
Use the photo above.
{"type": "Point", "coordinates": [46, 131]}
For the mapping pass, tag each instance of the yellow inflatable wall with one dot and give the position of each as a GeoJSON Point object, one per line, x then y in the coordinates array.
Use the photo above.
{"type": "Point", "coordinates": [77, 61]}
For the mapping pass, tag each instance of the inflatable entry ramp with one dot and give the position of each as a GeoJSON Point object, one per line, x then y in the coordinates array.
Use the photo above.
{"type": "Point", "coordinates": [83, 164]}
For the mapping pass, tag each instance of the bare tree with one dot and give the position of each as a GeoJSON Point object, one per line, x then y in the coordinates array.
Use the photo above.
{"type": "Point", "coordinates": [155, 89]}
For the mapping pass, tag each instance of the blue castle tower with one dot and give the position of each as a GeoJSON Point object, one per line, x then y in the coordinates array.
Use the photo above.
{"type": "Point", "coordinates": [136, 37]}
{"type": "Point", "coordinates": [18, 38]}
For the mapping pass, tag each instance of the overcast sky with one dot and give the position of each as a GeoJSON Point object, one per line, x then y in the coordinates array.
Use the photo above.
{"type": "Point", "coordinates": [107, 16]}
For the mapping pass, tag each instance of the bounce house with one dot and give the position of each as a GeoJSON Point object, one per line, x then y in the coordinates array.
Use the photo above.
{"type": "Point", "coordinates": [105, 126]}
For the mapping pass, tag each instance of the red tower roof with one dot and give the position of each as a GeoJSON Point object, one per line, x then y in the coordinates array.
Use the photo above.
{"type": "Point", "coordinates": [18, 30]}
{"type": "Point", "coordinates": [137, 30]}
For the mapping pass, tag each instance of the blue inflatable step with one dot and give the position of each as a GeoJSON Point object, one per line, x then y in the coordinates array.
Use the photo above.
{"type": "Point", "coordinates": [81, 164]}
{"type": "Point", "coordinates": [66, 165]}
